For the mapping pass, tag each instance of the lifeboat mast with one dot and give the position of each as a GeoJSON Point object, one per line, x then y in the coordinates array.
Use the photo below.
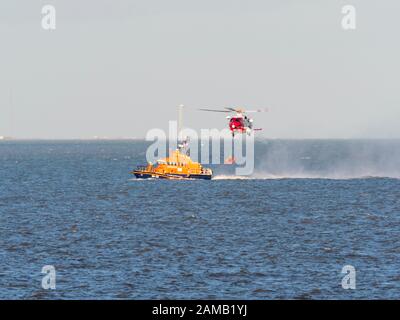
{"type": "Point", "coordinates": [183, 142]}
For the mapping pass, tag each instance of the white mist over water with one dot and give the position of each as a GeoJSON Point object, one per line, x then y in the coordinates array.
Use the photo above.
{"type": "Point", "coordinates": [323, 159]}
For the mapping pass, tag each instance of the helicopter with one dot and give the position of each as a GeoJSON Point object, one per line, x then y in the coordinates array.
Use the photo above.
{"type": "Point", "coordinates": [240, 122]}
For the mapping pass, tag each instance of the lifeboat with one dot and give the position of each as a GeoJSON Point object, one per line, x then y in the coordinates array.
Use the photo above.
{"type": "Point", "coordinates": [178, 166]}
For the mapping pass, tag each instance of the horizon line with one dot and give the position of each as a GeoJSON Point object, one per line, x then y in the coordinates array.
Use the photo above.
{"type": "Point", "coordinates": [10, 139]}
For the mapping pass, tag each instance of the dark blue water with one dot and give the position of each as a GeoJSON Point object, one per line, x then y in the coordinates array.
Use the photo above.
{"type": "Point", "coordinates": [310, 208]}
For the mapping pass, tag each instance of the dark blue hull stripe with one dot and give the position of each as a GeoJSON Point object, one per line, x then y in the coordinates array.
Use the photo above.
{"type": "Point", "coordinates": [192, 176]}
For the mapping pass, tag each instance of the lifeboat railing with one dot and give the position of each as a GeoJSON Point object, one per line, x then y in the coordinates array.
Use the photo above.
{"type": "Point", "coordinates": [206, 171]}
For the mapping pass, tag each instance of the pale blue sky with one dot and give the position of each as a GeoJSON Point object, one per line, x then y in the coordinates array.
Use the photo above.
{"type": "Point", "coordinates": [118, 68]}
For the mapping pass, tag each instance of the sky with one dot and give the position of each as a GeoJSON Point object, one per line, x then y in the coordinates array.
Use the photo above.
{"type": "Point", "coordinates": [119, 68]}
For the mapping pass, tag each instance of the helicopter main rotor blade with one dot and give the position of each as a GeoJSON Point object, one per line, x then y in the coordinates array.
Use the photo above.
{"type": "Point", "coordinates": [240, 110]}
{"type": "Point", "coordinates": [255, 111]}
{"type": "Point", "coordinates": [231, 109]}
{"type": "Point", "coordinates": [237, 110]}
{"type": "Point", "coordinates": [213, 110]}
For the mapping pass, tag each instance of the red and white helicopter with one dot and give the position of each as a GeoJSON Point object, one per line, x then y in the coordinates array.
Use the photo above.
{"type": "Point", "coordinates": [240, 122]}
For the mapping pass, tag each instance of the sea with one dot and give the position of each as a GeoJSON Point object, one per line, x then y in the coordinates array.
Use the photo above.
{"type": "Point", "coordinates": [317, 219]}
